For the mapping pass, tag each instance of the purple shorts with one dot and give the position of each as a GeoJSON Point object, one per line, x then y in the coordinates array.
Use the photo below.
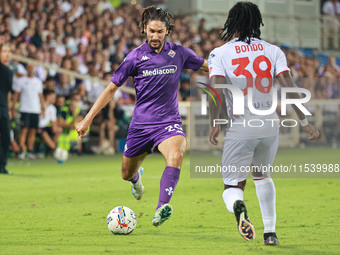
{"type": "Point", "coordinates": [140, 140]}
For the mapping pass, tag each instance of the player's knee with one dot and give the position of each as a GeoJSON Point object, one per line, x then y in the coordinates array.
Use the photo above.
{"type": "Point", "coordinates": [241, 185]}
{"type": "Point", "coordinates": [175, 158]}
{"type": "Point", "coordinates": [125, 175]}
{"type": "Point", "coordinates": [23, 131]}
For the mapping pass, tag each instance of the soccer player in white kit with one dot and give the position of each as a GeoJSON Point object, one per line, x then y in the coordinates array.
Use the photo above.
{"type": "Point", "coordinates": [247, 147]}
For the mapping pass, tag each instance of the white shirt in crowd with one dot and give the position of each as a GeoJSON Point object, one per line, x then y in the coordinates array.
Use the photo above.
{"type": "Point", "coordinates": [65, 6]}
{"type": "Point", "coordinates": [331, 9]}
{"type": "Point", "coordinates": [17, 25]}
{"type": "Point", "coordinates": [40, 72]}
{"type": "Point", "coordinates": [93, 90]}
{"type": "Point", "coordinates": [29, 89]}
{"type": "Point", "coordinates": [49, 116]}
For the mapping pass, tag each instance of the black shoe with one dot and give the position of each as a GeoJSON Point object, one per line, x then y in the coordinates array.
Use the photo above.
{"type": "Point", "coordinates": [270, 239]}
{"type": "Point", "coordinates": [4, 171]}
{"type": "Point", "coordinates": [244, 225]}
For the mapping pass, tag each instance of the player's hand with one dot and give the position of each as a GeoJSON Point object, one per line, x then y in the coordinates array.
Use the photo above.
{"type": "Point", "coordinates": [213, 134]}
{"type": "Point", "coordinates": [313, 131]}
{"type": "Point", "coordinates": [82, 128]}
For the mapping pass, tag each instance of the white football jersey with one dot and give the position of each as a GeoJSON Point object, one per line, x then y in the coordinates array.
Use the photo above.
{"type": "Point", "coordinates": [49, 116]}
{"type": "Point", "coordinates": [245, 66]}
{"type": "Point", "coordinates": [29, 89]}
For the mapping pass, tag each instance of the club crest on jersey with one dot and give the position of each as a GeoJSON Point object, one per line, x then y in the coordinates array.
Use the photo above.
{"type": "Point", "coordinates": [144, 58]}
{"type": "Point", "coordinates": [172, 53]}
{"type": "Point", "coordinates": [210, 58]}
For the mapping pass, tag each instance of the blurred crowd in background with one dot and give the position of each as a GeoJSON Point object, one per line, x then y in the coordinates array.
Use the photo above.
{"type": "Point", "coordinates": [92, 37]}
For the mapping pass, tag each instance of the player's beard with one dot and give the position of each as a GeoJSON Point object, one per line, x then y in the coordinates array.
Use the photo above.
{"type": "Point", "coordinates": [160, 44]}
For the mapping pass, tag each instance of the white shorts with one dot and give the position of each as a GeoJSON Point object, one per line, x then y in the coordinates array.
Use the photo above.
{"type": "Point", "coordinates": [240, 155]}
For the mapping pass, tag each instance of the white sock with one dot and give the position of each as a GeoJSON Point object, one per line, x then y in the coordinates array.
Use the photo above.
{"type": "Point", "coordinates": [230, 195]}
{"type": "Point", "coordinates": [266, 194]}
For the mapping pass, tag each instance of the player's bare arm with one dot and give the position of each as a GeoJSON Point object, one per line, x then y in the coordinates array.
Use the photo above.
{"type": "Point", "coordinates": [205, 67]}
{"type": "Point", "coordinates": [102, 100]}
{"type": "Point", "coordinates": [285, 79]}
{"type": "Point", "coordinates": [215, 110]}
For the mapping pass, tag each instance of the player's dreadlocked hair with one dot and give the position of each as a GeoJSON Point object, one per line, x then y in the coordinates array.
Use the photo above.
{"type": "Point", "coordinates": [151, 13]}
{"type": "Point", "coordinates": [245, 19]}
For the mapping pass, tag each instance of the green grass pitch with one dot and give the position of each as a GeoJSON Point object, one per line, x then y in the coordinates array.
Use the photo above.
{"type": "Point", "coordinates": [46, 208]}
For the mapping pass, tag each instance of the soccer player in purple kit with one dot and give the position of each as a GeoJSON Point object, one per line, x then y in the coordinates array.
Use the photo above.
{"type": "Point", "coordinates": [155, 67]}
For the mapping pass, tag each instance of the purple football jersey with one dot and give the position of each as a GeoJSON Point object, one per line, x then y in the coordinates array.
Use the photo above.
{"type": "Point", "coordinates": [156, 78]}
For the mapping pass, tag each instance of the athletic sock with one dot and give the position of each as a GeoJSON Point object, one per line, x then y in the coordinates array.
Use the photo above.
{"type": "Point", "coordinates": [168, 184]}
{"type": "Point", "coordinates": [266, 194]}
{"type": "Point", "coordinates": [135, 178]}
{"type": "Point", "coordinates": [230, 196]}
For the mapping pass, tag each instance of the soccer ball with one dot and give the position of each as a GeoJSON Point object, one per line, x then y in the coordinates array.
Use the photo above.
{"type": "Point", "coordinates": [121, 220]}
{"type": "Point", "coordinates": [60, 155]}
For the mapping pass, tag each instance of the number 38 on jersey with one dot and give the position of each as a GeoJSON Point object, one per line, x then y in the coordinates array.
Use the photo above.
{"type": "Point", "coordinates": [243, 65]}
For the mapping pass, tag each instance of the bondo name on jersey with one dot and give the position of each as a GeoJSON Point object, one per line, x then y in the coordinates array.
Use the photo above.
{"type": "Point", "coordinates": [249, 47]}
{"type": "Point", "coordinates": [170, 69]}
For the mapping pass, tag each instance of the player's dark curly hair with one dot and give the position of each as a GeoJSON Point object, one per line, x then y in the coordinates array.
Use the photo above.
{"type": "Point", "coordinates": [151, 13]}
{"type": "Point", "coordinates": [245, 19]}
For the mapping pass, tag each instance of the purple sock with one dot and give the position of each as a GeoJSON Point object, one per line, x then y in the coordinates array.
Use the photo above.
{"type": "Point", "coordinates": [168, 184]}
{"type": "Point", "coordinates": [135, 178]}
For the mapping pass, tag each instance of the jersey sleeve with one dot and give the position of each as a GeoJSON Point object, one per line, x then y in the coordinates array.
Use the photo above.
{"type": "Point", "coordinates": [281, 62]}
{"type": "Point", "coordinates": [215, 65]}
{"type": "Point", "coordinates": [125, 69]}
{"type": "Point", "coordinates": [191, 59]}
